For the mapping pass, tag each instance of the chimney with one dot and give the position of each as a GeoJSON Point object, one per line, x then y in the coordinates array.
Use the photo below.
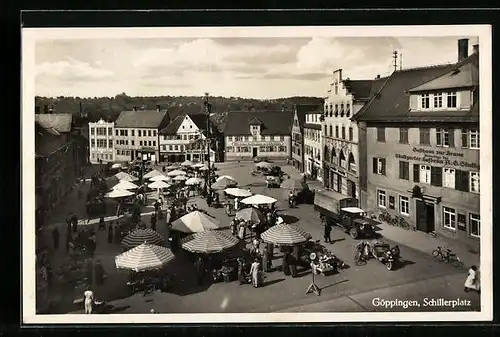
{"type": "Point", "coordinates": [37, 109]}
{"type": "Point", "coordinates": [378, 76]}
{"type": "Point", "coordinates": [45, 109]}
{"type": "Point", "coordinates": [158, 108]}
{"type": "Point", "coordinates": [463, 49]}
{"type": "Point", "coordinates": [134, 108]}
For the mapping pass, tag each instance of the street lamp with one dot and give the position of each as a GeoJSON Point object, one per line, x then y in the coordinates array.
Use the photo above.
{"type": "Point", "coordinates": [207, 139]}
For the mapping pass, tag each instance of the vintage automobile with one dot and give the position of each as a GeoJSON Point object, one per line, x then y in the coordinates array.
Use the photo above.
{"type": "Point", "coordinates": [379, 250]}
{"type": "Point", "coordinates": [324, 258]}
{"type": "Point", "coordinates": [335, 208]}
{"type": "Point", "coordinates": [273, 181]}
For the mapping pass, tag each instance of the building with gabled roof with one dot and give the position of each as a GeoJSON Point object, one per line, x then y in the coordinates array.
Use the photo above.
{"type": "Point", "coordinates": [419, 148]}
{"type": "Point", "coordinates": [313, 165]}
{"type": "Point", "coordinates": [299, 118]}
{"type": "Point", "coordinates": [250, 134]}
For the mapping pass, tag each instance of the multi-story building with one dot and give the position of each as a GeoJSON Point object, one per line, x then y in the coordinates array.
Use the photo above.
{"type": "Point", "coordinates": [419, 139]}
{"type": "Point", "coordinates": [299, 116]}
{"type": "Point", "coordinates": [313, 150]}
{"type": "Point", "coordinates": [184, 138]}
{"type": "Point", "coordinates": [340, 135]}
{"type": "Point", "coordinates": [249, 134]}
{"type": "Point", "coordinates": [101, 144]}
{"type": "Point", "coordinates": [136, 134]}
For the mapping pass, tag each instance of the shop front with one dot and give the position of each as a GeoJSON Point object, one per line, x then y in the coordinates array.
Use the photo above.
{"type": "Point", "coordinates": [146, 153]}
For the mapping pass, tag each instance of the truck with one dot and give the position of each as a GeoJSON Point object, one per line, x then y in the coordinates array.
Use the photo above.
{"type": "Point", "coordinates": [337, 209]}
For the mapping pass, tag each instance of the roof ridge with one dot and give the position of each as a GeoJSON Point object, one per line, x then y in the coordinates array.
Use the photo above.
{"type": "Point", "coordinates": [369, 103]}
{"type": "Point", "coordinates": [425, 67]}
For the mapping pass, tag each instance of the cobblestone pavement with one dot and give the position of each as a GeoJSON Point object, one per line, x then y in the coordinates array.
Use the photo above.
{"type": "Point", "coordinates": [351, 289]}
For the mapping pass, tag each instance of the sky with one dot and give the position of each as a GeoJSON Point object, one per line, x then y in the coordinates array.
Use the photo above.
{"type": "Point", "coordinates": [248, 67]}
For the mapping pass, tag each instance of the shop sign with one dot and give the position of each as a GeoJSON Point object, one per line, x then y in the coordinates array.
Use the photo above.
{"type": "Point", "coordinates": [148, 148]}
{"type": "Point", "coordinates": [443, 157]}
{"type": "Point", "coordinates": [255, 143]}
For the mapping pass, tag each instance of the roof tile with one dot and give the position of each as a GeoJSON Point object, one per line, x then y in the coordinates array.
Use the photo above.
{"type": "Point", "coordinates": [61, 123]}
{"type": "Point", "coordinates": [273, 122]}
{"type": "Point", "coordinates": [140, 119]}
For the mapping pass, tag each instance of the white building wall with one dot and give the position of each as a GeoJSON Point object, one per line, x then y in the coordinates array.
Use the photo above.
{"type": "Point", "coordinates": [242, 147]}
{"type": "Point", "coordinates": [101, 142]}
{"type": "Point", "coordinates": [135, 141]}
{"type": "Point", "coordinates": [313, 154]}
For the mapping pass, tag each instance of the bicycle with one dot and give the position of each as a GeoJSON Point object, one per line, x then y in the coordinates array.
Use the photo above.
{"type": "Point", "coordinates": [401, 222]}
{"type": "Point", "coordinates": [447, 256]}
{"type": "Point", "coordinates": [385, 216]}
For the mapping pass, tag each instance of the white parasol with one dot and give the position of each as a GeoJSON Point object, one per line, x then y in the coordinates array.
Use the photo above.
{"type": "Point", "coordinates": [238, 192]}
{"type": "Point", "coordinates": [125, 185]}
{"type": "Point", "coordinates": [152, 174]}
{"type": "Point", "coordinates": [193, 181]}
{"type": "Point", "coordinates": [159, 184]}
{"type": "Point", "coordinates": [180, 178]}
{"type": "Point", "coordinates": [160, 178]}
{"type": "Point", "coordinates": [195, 222]}
{"type": "Point", "coordinates": [198, 165]}
{"type": "Point", "coordinates": [203, 168]}
{"type": "Point", "coordinates": [264, 164]}
{"type": "Point", "coordinates": [225, 178]}
{"type": "Point", "coordinates": [187, 163]}
{"type": "Point", "coordinates": [125, 176]}
{"type": "Point", "coordinates": [118, 194]}
{"type": "Point", "coordinates": [259, 199]}
{"type": "Point", "coordinates": [176, 173]}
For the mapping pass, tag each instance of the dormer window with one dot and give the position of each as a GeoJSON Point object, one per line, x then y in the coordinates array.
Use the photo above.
{"type": "Point", "coordinates": [438, 100]}
{"type": "Point", "coordinates": [451, 100]}
{"type": "Point", "coordinates": [425, 101]}
{"type": "Point", "coordinates": [254, 129]}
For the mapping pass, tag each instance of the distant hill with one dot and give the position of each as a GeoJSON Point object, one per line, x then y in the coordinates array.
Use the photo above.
{"type": "Point", "coordinates": [109, 108]}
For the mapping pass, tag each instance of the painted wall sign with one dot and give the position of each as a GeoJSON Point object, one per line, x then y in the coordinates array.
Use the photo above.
{"type": "Point", "coordinates": [443, 157]}
{"type": "Point", "coordinates": [265, 143]}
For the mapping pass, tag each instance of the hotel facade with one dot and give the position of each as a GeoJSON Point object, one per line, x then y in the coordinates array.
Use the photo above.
{"type": "Point", "coordinates": [420, 146]}
{"type": "Point", "coordinates": [101, 144]}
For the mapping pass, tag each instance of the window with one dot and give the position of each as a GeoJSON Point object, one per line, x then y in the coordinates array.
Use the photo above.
{"type": "Point", "coordinates": [110, 131]}
{"type": "Point", "coordinates": [92, 142]}
{"type": "Point", "coordinates": [449, 218]}
{"type": "Point", "coordinates": [381, 199]}
{"type": "Point", "coordinates": [116, 132]}
{"type": "Point", "coordinates": [341, 109]}
{"type": "Point", "coordinates": [404, 170]}
{"type": "Point", "coordinates": [425, 136]}
{"type": "Point", "coordinates": [331, 131]}
{"type": "Point", "coordinates": [343, 132]}
{"type": "Point", "coordinates": [117, 142]}
{"type": "Point", "coordinates": [451, 100]}
{"type": "Point", "coordinates": [139, 133]}
{"type": "Point", "coordinates": [149, 133]}
{"type": "Point", "coordinates": [351, 133]}
{"type": "Point", "coordinates": [110, 143]}
{"type": "Point", "coordinates": [403, 135]}
{"type": "Point", "coordinates": [438, 100]}
{"type": "Point", "coordinates": [474, 225]}
{"type": "Point", "coordinates": [425, 174]}
{"type": "Point", "coordinates": [149, 143]}
{"type": "Point", "coordinates": [133, 133]}
{"type": "Point", "coordinates": [154, 133]}
{"type": "Point", "coordinates": [448, 177]}
{"type": "Point", "coordinates": [336, 110]}
{"type": "Point", "coordinates": [126, 133]}
{"type": "Point", "coordinates": [404, 205]}
{"type": "Point", "coordinates": [337, 131]}
{"type": "Point", "coordinates": [379, 166]}
{"type": "Point", "coordinates": [381, 134]}
{"type": "Point", "coordinates": [474, 182]}
{"type": "Point", "coordinates": [348, 110]}
{"type": "Point", "coordinates": [425, 101]}
{"type": "Point", "coordinates": [140, 143]}
{"type": "Point", "coordinates": [470, 138]}
{"type": "Point", "coordinates": [91, 131]}
{"type": "Point", "coordinates": [444, 137]}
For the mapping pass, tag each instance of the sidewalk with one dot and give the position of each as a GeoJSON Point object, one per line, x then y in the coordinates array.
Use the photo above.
{"type": "Point", "coordinates": [427, 243]}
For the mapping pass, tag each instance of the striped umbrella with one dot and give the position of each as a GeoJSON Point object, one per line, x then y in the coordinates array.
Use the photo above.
{"type": "Point", "coordinates": [250, 214]}
{"type": "Point", "coordinates": [144, 257]}
{"type": "Point", "coordinates": [176, 173]}
{"type": "Point", "coordinates": [139, 236]}
{"type": "Point", "coordinates": [209, 242]}
{"type": "Point", "coordinates": [284, 234]}
{"type": "Point", "coordinates": [193, 181]}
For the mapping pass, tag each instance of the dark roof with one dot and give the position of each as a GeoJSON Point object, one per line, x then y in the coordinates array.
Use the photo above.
{"type": "Point", "coordinates": [389, 99]}
{"type": "Point", "coordinates": [255, 121]}
{"type": "Point", "coordinates": [200, 120]}
{"type": "Point", "coordinates": [273, 122]}
{"type": "Point", "coordinates": [140, 119]}
{"type": "Point", "coordinates": [360, 89]}
{"type": "Point", "coordinates": [302, 110]}
{"type": "Point", "coordinates": [173, 126]}
{"type": "Point", "coordinates": [312, 126]}
{"type": "Point", "coordinates": [60, 123]}
{"type": "Point", "coordinates": [464, 74]}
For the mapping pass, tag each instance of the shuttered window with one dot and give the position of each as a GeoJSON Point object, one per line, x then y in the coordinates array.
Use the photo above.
{"type": "Point", "coordinates": [404, 170]}
{"type": "Point", "coordinates": [379, 166]}
{"type": "Point", "coordinates": [462, 180]}
{"type": "Point", "coordinates": [436, 176]}
{"type": "Point", "coordinates": [416, 173]}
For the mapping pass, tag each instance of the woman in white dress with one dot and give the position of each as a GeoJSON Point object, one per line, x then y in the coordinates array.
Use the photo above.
{"type": "Point", "coordinates": [472, 281]}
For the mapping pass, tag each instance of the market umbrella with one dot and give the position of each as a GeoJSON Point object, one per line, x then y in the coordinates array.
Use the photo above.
{"type": "Point", "coordinates": [197, 165]}
{"type": "Point", "coordinates": [180, 178]}
{"type": "Point", "coordinates": [176, 173]}
{"type": "Point", "coordinates": [293, 184]}
{"type": "Point", "coordinates": [172, 167]}
{"type": "Point", "coordinates": [160, 178]}
{"type": "Point", "coordinates": [152, 174]}
{"type": "Point", "coordinates": [250, 214]}
{"type": "Point", "coordinates": [193, 181]}
{"type": "Point", "coordinates": [264, 164]}
{"type": "Point", "coordinates": [224, 181]}
{"type": "Point", "coordinates": [203, 168]}
{"type": "Point", "coordinates": [195, 222]}
{"type": "Point", "coordinates": [238, 192]}
{"type": "Point", "coordinates": [111, 181]}
{"type": "Point", "coordinates": [159, 184]}
{"type": "Point", "coordinates": [258, 199]}
{"type": "Point", "coordinates": [125, 185]}
{"type": "Point", "coordinates": [209, 242]}
{"type": "Point", "coordinates": [187, 163]}
{"type": "Point", "coordinates": [139, 236]}
{"type": "Point", "coordinates": [125, 176]}
{"type": "Point", "coordinates": [118, 194]}
{"type": "Point", "coordinates": [285, 234]}
{"type": "Point", "coordinates": [144, 257]}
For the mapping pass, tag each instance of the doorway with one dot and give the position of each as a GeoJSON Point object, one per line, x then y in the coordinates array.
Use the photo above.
{"type": "Point", "coordinates": [255, 151]}
{"type": "Point", "coordinates": [425, 216]}
{"type": "Point", "coordinates": [351, 188]}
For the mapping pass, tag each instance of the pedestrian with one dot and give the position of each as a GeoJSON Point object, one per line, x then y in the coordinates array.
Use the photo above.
{"type": "Point", "coordinates": [198, 264]}
{"type": "Point", "coordinates": [233, 226]}
{"type": "Point", "coordinates": [266, 262]}
{"type": "Point", "coordinates": [153, 221]}
{"type": "Point", "coordinates": [270, 250]}
{"type": "Point", "coordinates": [169, 216]}
{"type": "Point", "coordinates": [472, 281]}
{"type": "Point", "coordinates": [328, 230]}
{"type": "Point", "coordinates": [68, 227]}
{"type": "Point", "coordinates": [254, 271]}
{"type": "Point", "coordinates": [110, 232]}
{"type": "Point", "coordinates": [241, 270]}
{"type": "Point", "coordinates": [102, 224]}
{"type": "Point", "coordinates": [285, 265]}
{"type": "Point", "coordinates": [55, 237]}
{"type": "Point", "coordinates": [88, 298]}
{"type": "Point", "coordinates": [293, 261]}
{"type": "Point", "coordinates": [99, 273]}
{"type": "Point", "coordinates": [74, 223]}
